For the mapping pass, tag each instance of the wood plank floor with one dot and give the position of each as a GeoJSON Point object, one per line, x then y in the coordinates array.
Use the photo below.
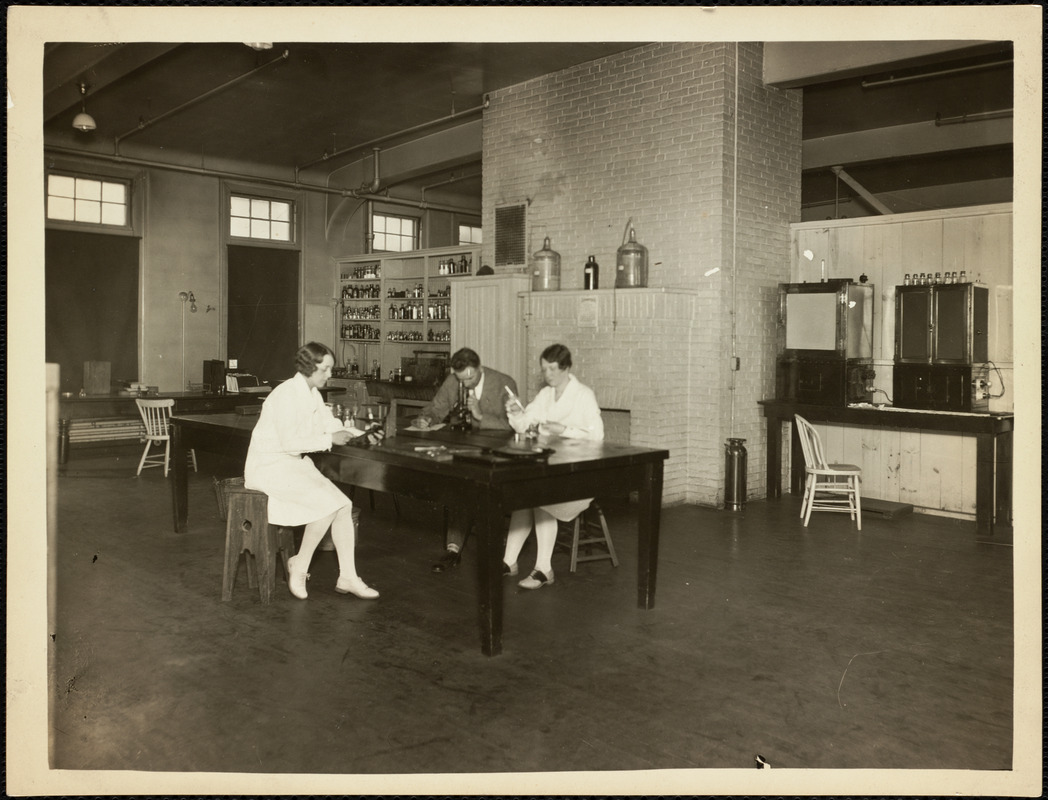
{"type": "Point", "coordinates": [817, 648]}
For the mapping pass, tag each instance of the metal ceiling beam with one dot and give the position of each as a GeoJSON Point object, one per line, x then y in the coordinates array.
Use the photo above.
{"type": "Point", "coordinates": [899, 141]}
{"type": "Point", "coordinates": [469, 112]}
{"type": "Point", "coordinates": [862, 191]}
{"type": "Point", "coordinates": [104, 66]}
{"type": "Point", "coordinates": [790, 65]}
{"type": "Point", "coordinates": [247, 178]}
{"type": "Point", "coordinates": [419, 158]}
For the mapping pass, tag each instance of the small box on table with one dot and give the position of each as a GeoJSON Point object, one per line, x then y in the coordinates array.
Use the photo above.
{"type": "Point", "coordinates": [97, 377]}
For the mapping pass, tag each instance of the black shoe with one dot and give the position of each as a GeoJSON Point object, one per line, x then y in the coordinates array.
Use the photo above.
{"type": "Point", "coordinates": [449, 560]}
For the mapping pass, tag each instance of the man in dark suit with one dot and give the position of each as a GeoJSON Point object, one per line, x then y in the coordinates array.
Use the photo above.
{"type": "Point", "coordinates": [486, 398]}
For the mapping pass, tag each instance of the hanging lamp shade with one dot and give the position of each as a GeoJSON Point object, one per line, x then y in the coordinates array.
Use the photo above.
{"type": "Point", "coordinates": [84, 122]}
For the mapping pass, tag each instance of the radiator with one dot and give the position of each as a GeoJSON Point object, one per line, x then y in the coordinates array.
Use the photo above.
{"type": "Point", "coordinates": [106, 430]}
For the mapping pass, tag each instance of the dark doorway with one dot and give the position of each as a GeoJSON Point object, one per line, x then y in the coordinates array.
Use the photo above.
{"type": "Point", "coordinates": [263, 311]}
{"type": "Point", "coordinates": [90, 304]}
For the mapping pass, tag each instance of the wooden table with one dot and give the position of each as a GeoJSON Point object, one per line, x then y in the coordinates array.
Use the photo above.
{"type": "Point", "coordinates": [123, 407]}
{"type": "Point", "coordinates": [993, 443]}
{"type": "Point", "coordinates": [577, 469]}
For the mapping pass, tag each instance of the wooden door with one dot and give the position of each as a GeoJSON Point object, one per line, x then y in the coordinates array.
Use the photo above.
{"type": "Point", "coordinates": [263, 311]}
{"type": "Point", "coordinates": [91, 304]}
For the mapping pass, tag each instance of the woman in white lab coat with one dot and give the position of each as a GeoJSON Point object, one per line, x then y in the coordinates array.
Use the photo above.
{"type": "Point", "coordinates": [294, 421]}
{"type": "Point", "coordinates": [564, 407]}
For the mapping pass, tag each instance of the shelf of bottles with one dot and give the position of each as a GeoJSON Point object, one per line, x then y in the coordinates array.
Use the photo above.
{"type": "Point", "coordinates": [361, 288]}
{"type": "Point", "coordinates": [393, 301]}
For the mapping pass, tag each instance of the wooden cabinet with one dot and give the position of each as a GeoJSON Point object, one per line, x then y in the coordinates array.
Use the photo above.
{"type": "Point", "coordinates": [485, 316]}
{"type": "Point", "coordinates": [393, 304]}
{"type": "Point", "coordinates": [941, 347]}
{"type": "Point", "coordinates": [941, 324]}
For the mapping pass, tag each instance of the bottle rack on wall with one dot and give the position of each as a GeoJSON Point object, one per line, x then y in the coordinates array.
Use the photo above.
{"type": "Point", "coordinates": [393, 302]}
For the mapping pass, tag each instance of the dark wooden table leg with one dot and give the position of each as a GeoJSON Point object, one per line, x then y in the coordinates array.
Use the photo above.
{"type": "Point", "coordinates": [1003, 480]}
{"type": "Point", "coordinates": [796, 462]}
{"type": "Point", "coordinates": [648, 517]}
{"type": "Point", "coordinates": [63, 440]}
{"type": "Point", "coordinates": [179, 479]}
{"type": "Point", "coordinates": [984, 481]}
{"type": "Point", "coordinates": [489, 524]}
{"type": "Point", "coordinates": [773, 469]}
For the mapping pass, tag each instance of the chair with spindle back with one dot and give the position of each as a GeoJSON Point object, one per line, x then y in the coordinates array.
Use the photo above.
{"type": "Point", "coordinates": [156, 415]}
{"type": "Point", "coordinates": [827, 487]}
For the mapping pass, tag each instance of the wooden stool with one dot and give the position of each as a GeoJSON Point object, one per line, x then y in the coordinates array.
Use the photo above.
{"type": "Point", "coordinates": [583, 523]}
{"type": "Point", "coordinates": [248, 528]}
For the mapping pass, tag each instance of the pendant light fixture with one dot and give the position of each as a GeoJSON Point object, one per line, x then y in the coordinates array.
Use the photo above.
{"type": "Point", "coordinates": [83, 121]}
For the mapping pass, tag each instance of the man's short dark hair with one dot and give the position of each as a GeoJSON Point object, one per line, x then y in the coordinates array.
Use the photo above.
{"type": "Point", "coordinates": [463, 358]}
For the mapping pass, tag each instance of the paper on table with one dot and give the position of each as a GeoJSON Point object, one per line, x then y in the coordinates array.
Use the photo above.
{"type": "Point", "coordinates": [436, 427]}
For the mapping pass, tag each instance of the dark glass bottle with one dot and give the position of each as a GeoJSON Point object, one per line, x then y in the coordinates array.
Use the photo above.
{"type": "Point", "coordinates": [591, 274]}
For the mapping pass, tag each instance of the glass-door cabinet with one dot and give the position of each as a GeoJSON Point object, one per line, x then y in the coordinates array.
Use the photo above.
{"type": "Point", "coordinates": [395, 304]}
{"type": "Point", "coordinates": [941, 343]}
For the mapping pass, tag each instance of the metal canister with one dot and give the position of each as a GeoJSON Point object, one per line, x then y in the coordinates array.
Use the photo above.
{"type": "Point", "coordinates": [545, 270]}
{"type": "Point", "coordinates": [735, 474]}
{"type": "Point", "coordinates": [631, 268]}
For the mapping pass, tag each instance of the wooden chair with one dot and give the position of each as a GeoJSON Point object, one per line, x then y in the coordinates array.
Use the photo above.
{"type": "Point", "coordinates": [588, 530]}
{"type": "Point", "coordinates": [155, 416]}
{"type": "Point", "coordinates": [827, 487]}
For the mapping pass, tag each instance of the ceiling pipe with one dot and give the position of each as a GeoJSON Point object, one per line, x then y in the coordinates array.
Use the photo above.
{"type": "Point", "coordinates": [413, 129]}
{"type": "Point", "coordinates": [939, 73]}
{"type": "Point", "coordinates": [864, 193]}
{"type": "Point", "coordinates": [977, 116]}
{"type": "Point", "coordinates": [376, 182]}
{"type": "Point", "coordinates": [143, 124]}
{"type": "Point", "coordinates": [452, 179]}
{"type": "Point", "coordinates": [240, 176]}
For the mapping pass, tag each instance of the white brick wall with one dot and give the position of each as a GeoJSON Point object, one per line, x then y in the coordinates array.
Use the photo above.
{"type": "Point", "coordinates": [650, 134]}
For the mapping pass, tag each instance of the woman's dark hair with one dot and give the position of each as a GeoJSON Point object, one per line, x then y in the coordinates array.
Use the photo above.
{"type": "Point", "coordinates": [557, 353]}
{"type": "Point", "coordinates": [309, 357]}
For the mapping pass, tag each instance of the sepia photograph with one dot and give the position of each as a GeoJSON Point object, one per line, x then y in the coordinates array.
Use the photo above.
{"type": "Point", "coordinates": [524, 400]}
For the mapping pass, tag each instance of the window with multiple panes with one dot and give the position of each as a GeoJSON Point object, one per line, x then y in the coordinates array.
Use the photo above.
{"type": "Point", "coordinates": [394, 234]}
{"type": "Point", "coordinates": [260, 218]}
{"type": "Point", "coordinates": [95, 201]}
{"type": "Point", "coordinates": [470, 234]}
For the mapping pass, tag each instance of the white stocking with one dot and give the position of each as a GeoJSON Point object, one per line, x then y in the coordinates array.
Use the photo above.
{"type": "Point", "coordinates": [344, 537]}
{"type": "Point", "coordinates": [519, 527]}
{"type": "Point", "coordinates": [311, 537]}
{"type": "Point", "coordinates": [546, 537]}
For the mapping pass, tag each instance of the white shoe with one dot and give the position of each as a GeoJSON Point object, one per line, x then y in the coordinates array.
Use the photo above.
{"type": "Point", "coordinates": [536, 580]}
{"type": "Point", "coordinates": [296, 579]}
{"type": "Point", "coordinates": [355, 586]}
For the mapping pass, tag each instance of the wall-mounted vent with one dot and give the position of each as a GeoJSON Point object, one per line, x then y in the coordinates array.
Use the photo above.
{"type": "Point", "coordinates": [509, 236]}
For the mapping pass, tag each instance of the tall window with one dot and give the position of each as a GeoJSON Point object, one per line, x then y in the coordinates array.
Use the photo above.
{"type": "Point", "coordinates": [260, 218]}
{"type": "Point", "coordinates": [470, 234]}
{"type": "Point", "coordinates": [395, 234]}
{"type": "Point", "coordinates": [71, 198]}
